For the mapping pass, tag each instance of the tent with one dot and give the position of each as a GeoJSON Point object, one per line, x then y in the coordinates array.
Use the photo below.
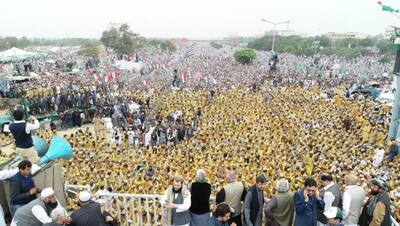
{"type": "Point", "coordinates": [129, 65]}
{"type": "Point", "coordinates": [15, 54]}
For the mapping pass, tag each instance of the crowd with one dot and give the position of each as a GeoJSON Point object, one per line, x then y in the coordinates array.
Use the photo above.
{"type": "Point", "coordinates": [31, 206]}
{"type": "Point", "coordinates": [235, 123]}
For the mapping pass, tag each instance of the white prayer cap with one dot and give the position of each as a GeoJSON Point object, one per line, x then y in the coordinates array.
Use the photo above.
{"type": "Point", "coordinates": [46, 192]}
{"type": "Point", "coordinates": [101, 201]}
{"type": "Point", "coordinates": [57, 213]}
{"type": "Point", "coordinates": [84, 196]}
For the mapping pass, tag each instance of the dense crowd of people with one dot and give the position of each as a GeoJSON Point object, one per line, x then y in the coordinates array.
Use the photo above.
{"type": "Point", "coordinates": [251, 137]}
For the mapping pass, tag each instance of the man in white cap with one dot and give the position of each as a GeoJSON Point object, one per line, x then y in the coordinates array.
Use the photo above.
{"type": "Point", "coordinates": [37, 212]}
{"type": "Point", "coordinates": [89, 213]}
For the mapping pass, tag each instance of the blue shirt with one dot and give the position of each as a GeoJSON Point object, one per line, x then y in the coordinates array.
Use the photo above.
{"type": "Point", "coordinates": [214, 222]}
{"type": "Point", "coordinates": [306, 212]}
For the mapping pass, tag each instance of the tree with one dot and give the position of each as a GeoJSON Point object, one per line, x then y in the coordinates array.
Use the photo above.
{"type": "Point", "coordinates": [121, 39]}
{"type": "Point", "coordinates": [245, 56]}
{"type": "Point", "coordinates": [168, 46]}
{"type": "Point", "coordinates": [216, 45]}
{"type": "Point", "coordinates": [90, 50]}
{"type": "Point", "coordinates": [385, 59]}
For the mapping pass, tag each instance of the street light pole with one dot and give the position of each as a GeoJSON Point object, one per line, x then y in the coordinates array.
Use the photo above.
{"type": "Point", "coordinates": [274, 31]}
{"type": "Point", "coordinates": [273, 38]}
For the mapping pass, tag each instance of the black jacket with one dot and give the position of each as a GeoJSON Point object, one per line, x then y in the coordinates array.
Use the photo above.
{"type": "Point", "coordinates": [88, 215]}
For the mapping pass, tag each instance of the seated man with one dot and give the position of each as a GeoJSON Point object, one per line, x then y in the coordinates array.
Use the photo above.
{"type": "Point", "coordinates": [22, 186]}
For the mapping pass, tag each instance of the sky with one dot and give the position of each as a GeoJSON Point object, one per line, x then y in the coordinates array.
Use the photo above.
{"type": "Point", "coordinates": [192, 19]}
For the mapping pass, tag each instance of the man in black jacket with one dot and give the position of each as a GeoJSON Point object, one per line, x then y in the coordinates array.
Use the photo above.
{"type": "Point", "coordinates": [200, 208]}
{"type": "Point", "coordinates": [89, 213]}
{"type": "Point", "coordinates": [254, 202]}
{"type": "Point", "coordinates": [376, 210]}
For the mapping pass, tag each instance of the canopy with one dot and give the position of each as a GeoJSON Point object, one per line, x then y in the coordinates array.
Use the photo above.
{"type": "Point", "coordinates": [15, 54]}
{"type": "Point", "coordinates": [129, 65]}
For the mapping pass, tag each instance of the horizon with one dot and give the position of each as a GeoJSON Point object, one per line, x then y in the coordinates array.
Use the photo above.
{"type": "Point", "coordinates": [194, 20]}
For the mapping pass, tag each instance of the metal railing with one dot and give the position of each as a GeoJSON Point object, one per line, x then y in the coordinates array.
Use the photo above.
{"type": "Point", "coordinates": [137, 209]}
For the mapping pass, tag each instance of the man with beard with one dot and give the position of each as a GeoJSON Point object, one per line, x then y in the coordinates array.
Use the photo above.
{"type": "Point", "coordinates": [37, 212]}
{"type": "Point", "coordinates": [176, 202]}
{"type": "Point", "coordinates": [221, 216]}
{"type": "Point", "coordinates": [376, 211]}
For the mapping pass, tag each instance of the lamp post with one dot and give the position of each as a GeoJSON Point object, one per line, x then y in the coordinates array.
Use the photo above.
{"type": "Point", "coordinates": [394, 123]}
{"type": "Point", "coordinates": [274, 31]}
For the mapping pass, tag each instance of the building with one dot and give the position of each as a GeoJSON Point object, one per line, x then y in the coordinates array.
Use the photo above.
{"type": "Point", "coordinates": [286, 33]}
{"type": "Point", "coordinates": [336, 35]}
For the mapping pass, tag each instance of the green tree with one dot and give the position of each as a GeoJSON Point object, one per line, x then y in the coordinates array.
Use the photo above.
{"type": "Point", "coordinates": [385, 58]}
{"type": "Point", "coordinates": [245, 56]}
{"type": "Point", "coordinates": [385, 46]}
{"type": "Point", "coordinates": [168, 46]}
{"type": "Point", "coordinates": [121, 39]}
{"type": "Point", "coordinates": [216, 45]}
{"type": "Point", "coordinates": [91, 50]}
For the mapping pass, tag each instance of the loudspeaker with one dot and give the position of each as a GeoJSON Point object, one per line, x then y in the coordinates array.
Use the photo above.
{"type": "Point", "coordinates": [40, 145]}
{"type": "Point", "coordinates": [59, 148]}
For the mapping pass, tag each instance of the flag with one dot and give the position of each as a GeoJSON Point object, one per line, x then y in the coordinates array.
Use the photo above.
{"type": "Point", "coordinates": [388, 8]}
{"type": "Point", "coordinates": [106, 78]}
{"type": "Point", "coordinates": [190, 52]}
{"type": "Point", "coordinates": [102, 69]}
{"type": "Point", "coordinates": [165, 66]}
{"type": "Point", "coordinates": [184, 41]}
{"type": "Point", "coordinates": [96, 76]}
{"type": "Point", "coordinates": [184, 77]}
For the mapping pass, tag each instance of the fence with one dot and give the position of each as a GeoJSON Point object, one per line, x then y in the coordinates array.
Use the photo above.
{"type": "Point", "coordinates": [137, 209]}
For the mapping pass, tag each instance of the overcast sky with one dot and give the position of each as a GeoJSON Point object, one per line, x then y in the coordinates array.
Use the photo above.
{"type": "Point", "coordinates": [192, 19]}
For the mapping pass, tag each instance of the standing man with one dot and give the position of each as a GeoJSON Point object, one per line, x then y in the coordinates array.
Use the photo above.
{"type": "Point", "coordinates": [376, 211]}
{"type": "Point", "coordinates": [307, 204]}
{"type": "Point", "coordinates": [22, 187]}
{"type": "Point", "coordinates": [233, 194]}
{"type": "Point", "coordinates": [201, 191]}
{"type": "Point", "coordinates": [281, 206]}
{"type": "Point", "coordinates": [254, 202]}
{"type": "Point", "coordinates": [393, 150]}
{"type": "Point", "coordinates": [176, 202]}
{"type": "Point", "coordinates": [21, 131]}
{"type": "Point", "coordinates": [331, 196]}
{"type": "Point", "coordinates": [353, 198]}
{"type": "Point", "coordinates": [89, 212]}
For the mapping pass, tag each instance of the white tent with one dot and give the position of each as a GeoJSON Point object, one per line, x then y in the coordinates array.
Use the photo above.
{"type": "Point", "coordinates": [129, 65]}
{"type": "Point", "coordinates": [15, 54]}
